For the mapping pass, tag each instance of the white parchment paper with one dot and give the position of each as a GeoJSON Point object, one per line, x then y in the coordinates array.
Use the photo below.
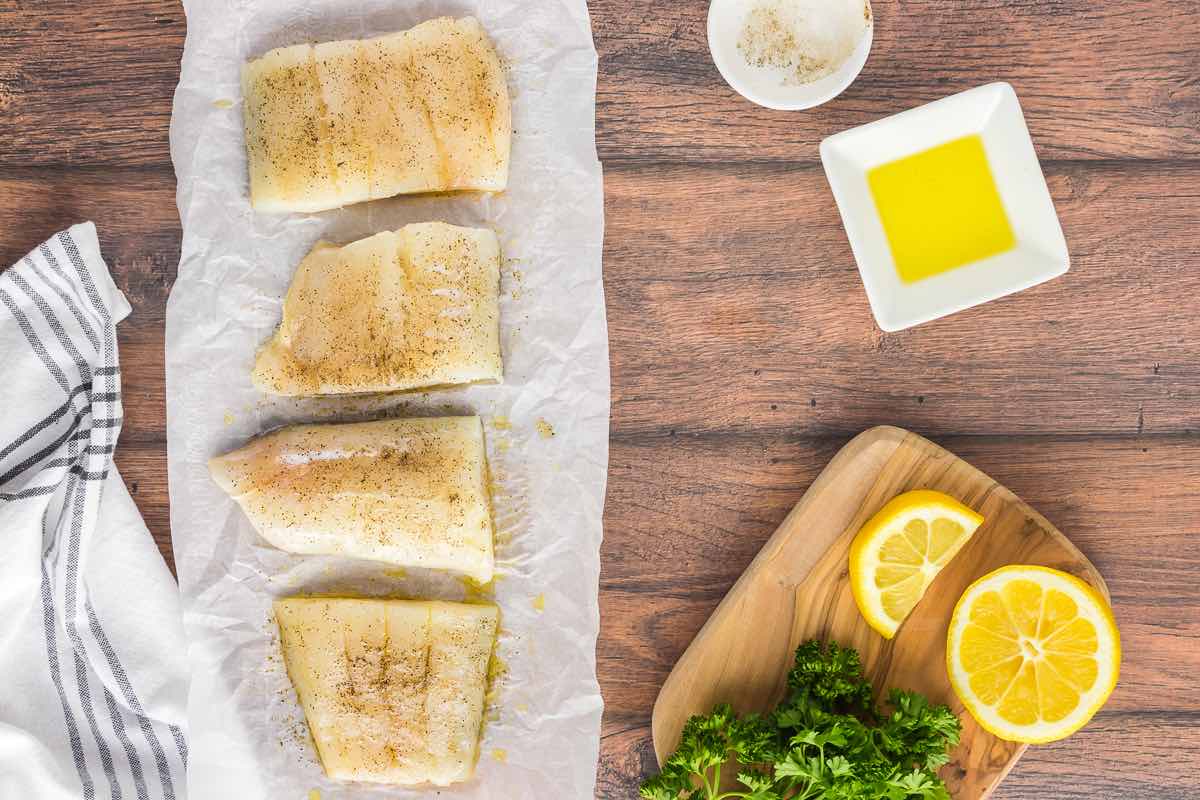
{"type": "Point", "coordinates": [546, 426]}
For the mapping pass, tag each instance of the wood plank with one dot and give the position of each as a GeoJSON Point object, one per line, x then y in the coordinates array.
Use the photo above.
{"type": "Point", "coordinates": [1131, 756]}
{"type": "Point", "coordinates": [143, 466]}
{"type": "Point", "coordinates": [135, 215]}
{"type": "Point", "coordinates": [90, 87]}
{"type": "Point", "coordinates": [685, 516]}
{"type": "Point", "coordinates": [1098, 81]}
{"type": "Point", "coordinates": [762, 324]}
{"type": "Point", "coordinates": [138, 227]}
{"type": "Point", "coordinates": [735, 305]}
{"type": "Point", "coordinates": [797, 588]}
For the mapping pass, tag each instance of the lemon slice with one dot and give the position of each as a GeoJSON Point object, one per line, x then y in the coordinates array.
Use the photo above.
{"type": "Point", "coordinates": [1032, 652]}
{"type": "Point", "coordinates": [901, 549]}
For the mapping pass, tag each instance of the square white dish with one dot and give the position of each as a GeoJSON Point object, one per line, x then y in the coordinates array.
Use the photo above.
{"type": "Point", "coordinates": [992, 112]}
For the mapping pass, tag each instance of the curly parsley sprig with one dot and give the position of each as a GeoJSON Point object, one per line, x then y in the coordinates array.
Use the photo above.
{"type": "Point", "coordinates": [827, 740]}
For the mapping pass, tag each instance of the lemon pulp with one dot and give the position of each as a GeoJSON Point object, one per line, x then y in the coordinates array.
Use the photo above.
{"type": "Point", "coordinates": [1032, 652]}
{"type": "Point", "coordinates": [899, 551]}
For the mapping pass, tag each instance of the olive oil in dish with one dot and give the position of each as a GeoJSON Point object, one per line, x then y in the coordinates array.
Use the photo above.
{"type": "Point", "coordinates": [940, 209]}
{"type": "Point", "coordinates": [945, 206]}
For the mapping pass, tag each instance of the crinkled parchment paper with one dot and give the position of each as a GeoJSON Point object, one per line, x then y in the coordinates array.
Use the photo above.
{"type": "Point", "coordinates": [546, 426]}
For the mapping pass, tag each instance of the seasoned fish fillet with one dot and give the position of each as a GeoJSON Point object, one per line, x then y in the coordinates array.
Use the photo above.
{"type": "Point", "coordinates": [291, 167]}
{"type": "Point", "coordinates": [393, 690]}
{"type": "Point", "coordinates": [409, 492]}
{"type": "Point", "coordinates": [415, 308]}
{"type": "Point", "coordinates": [423, 110]}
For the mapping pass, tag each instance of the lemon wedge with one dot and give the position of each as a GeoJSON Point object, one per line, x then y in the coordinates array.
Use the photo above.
{"type": "Point", "coordinates": [901, 549]}
{"type": "Point", "coordinates": [1032, 653]}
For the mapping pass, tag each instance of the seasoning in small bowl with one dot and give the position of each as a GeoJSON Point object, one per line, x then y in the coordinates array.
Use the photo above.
{"type": "Point", "coordinates": [790, 54]}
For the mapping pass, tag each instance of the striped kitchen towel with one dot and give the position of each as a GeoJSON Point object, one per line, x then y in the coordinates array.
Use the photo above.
{"type": "Point", "coordinates": [93, 670]}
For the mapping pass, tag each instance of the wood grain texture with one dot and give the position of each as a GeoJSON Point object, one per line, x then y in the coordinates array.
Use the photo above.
{"type": "Point", "coordinates": [759, 319]}
{"type": "Point", "coordinates": [743, 352]}
{"type": "Point", "coordinates": [88, 84]}
{"type": "Point", "coordinates": [761, 323]}
{"type": "Point", "coordinates": [1112, 80]}
{"type": "Point", "coordinates": [1097, 80]}
{"type": "Point", "coordinates": [797, 589]}
{"type": "Point", "coordinates": [138, 227]}
{"type": "Point", "coordinates": [687, 514]}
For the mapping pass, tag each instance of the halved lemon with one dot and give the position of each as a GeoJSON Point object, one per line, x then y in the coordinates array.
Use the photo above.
{"type": "Point", "coordinates": [901, 549]}
{"type": "Point", "coordinates": [1032, 652]}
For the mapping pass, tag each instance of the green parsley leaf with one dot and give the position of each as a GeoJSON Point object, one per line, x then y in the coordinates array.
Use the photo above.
{"type": "Point", "coordinates": [827, 740]}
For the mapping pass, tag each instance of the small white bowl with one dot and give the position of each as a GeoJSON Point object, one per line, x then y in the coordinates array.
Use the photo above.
{"type": "Point", "coordinates": [992, 111]}
{"type": "Point", "coordinates": [725, 18]}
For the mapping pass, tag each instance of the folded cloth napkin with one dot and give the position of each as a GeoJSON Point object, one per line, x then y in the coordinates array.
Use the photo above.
{"type": "Point", "coordinates": [93, 670]}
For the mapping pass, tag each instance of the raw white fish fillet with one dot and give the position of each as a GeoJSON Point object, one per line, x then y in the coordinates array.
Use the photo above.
{"type": "Point", "coordinates": [423, 110]}
{"type": "Point", "coordinates": [289, 155]}
{"type": "Point", "coordinates": [393, 690]}
{"type": "Point", "coordinates": [408, 492]}
{"type": "Point", "coordinates": [409, 309]}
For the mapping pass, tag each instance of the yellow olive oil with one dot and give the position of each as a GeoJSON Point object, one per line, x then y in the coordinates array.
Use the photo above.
{"type": "Point", "coordinates": [940, 208]}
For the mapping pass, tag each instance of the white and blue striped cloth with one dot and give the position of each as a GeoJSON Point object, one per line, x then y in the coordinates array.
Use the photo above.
{"type": "Point", "coordinates": [93, 662]}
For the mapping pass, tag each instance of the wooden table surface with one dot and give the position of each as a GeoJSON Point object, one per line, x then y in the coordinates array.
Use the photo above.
{"type": "Point", "coordinates": [743, 350]}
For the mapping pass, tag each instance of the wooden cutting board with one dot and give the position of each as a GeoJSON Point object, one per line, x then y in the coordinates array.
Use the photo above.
{"type": "Point", "coordinates": [797, 588]}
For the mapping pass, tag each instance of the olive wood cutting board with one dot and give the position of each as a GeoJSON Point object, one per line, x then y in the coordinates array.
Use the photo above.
{"type": "Point", "coordinates": [797, 588]}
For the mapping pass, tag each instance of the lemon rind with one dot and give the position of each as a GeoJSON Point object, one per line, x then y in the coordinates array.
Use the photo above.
{"type": "Point", "coordinates": [1108, 672]}
{"type": "Point", "coordinates": [924, 504]}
